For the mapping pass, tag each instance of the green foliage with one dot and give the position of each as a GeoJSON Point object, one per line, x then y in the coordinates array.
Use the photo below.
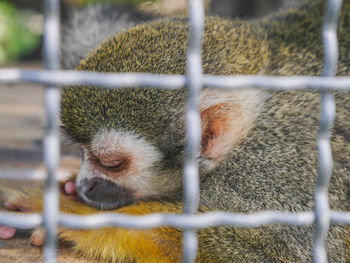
{"type": "Point", "coordinates": [17, 34]}
{"type": "Point", "coordinates": [133, 3]}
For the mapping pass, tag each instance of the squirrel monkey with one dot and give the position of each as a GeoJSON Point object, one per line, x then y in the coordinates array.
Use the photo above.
{"type": "Point", "coordinates": [258, 149]}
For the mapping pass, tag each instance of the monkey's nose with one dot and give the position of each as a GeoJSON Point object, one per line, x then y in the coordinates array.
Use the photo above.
{"type": "Point", "coordinates": [101, 191]}
{"type": "Point", "coordinates": [90, 187]}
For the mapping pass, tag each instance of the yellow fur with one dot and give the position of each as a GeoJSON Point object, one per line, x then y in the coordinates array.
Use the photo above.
{"type": "Point", "coordinates": [124, 245]}
{"type": "Point", "coordinates": [110, 244]}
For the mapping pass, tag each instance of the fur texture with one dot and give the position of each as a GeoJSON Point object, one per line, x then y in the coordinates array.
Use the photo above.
{"type": "Point", "coordinates": [271, 162]}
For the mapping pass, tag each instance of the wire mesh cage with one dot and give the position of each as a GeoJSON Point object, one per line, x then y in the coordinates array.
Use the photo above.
{"type": "Point", "coordinates": [189, 221]}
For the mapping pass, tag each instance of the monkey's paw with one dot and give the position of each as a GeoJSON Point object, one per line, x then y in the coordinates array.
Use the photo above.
{"type": "Point", "coordinates": [38, 237]}
{"type": "Point", "coordinates": [67, 187]}
{"type": "Point", "coordinates": [30, 200]}
{"type": "Point", "coordinates": [24, 200]}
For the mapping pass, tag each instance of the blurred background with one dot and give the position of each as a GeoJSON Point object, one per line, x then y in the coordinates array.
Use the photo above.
{"type": "Point", "coordinates": [21, 20]}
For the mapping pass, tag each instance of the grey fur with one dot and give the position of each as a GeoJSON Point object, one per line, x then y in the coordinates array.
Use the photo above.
{"type": "Point", "coordinates": [86, 28]}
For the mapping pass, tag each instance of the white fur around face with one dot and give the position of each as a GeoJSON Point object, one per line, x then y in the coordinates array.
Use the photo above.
{"type": "Point", "coordinates": [111, 144]}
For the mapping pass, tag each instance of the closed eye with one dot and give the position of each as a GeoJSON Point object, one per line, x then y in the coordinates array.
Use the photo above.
{"type": "Point", "coordinates": [112, 164]}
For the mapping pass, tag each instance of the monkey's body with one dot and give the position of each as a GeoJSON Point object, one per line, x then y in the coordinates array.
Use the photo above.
{"type": "Point", "coordinates": [272, 164]}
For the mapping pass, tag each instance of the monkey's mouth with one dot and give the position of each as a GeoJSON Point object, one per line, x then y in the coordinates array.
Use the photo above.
{"type": "Point", "coordinates": [103, 194]}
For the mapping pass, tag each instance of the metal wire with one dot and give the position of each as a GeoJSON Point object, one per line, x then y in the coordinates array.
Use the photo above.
{"type": "Point", "coordinates": [193, 124]}
{"type": "Point", "coordinates": [124, 80]}
{"type": "Point", "coordinates": [194, 79]}
{"type": "Point", "coordinates": [330, 47]}
{"type": "Point", "coordinates": [28, 221]}
{"type": "Point", "coordinates": [186, 221]}
{"type": "Point", "coordinates": [51, 136]}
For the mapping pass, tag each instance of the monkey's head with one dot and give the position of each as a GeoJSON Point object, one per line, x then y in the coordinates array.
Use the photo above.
{"type": "Point", "coordinates": [133, 139]}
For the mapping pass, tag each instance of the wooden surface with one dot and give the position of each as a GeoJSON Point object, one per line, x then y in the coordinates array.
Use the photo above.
{"type": "Point", "coordinates": [22, 119]}
{"type": "Point", "coordinates": [18, 250]}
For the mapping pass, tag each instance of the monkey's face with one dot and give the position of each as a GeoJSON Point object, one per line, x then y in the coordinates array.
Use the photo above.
{"type": "Point", "coordinates": [120, 168]}
{"type": "Point", "coordinates": [132, 142]}
{"type": "Point", "coordinates": [133, 139]}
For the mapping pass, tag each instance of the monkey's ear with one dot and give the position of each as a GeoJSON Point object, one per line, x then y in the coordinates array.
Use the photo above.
{"type": "Point", "coordinates": [226, 118]}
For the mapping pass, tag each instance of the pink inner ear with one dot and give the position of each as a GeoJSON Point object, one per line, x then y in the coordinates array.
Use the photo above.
{"type": "Point", "coordinates": [223, 127]}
